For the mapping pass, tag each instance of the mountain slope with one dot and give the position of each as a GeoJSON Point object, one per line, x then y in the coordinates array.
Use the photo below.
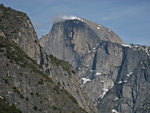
{"type": "Point", "coordinates": [71, 46]}
{"type": "Point", "coordinates": [100, 57]}
{"type": "Point", "coordinates": [130, 93]}
{"type": "Point", "coordinates": [26, 86]}
{"type": "Point", "coordinates": [17, 27]}
{"type": "Point", "coordinates": [75, 41]}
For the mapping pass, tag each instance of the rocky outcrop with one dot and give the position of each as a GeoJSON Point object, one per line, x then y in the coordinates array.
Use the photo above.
{"type": "Point", "coordinates": [131, 89]}
{"type": "Point", "coordinates": [94, 58]}
{"type": "Point", "coordinates": [24, 84]}
{"type": "Point", "coordinates": [101, 59]}
{"type": "Point", "coordinates": [17, 27]}
{"type": "Point", "coordinates": [72, 39]}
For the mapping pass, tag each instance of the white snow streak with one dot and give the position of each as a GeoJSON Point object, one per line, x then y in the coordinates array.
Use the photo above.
{"type": "Point", "coordinates": [98, 73]}
{"type": "Point", "coordinates": [125, 45]}
{"type": "Point", "coordinates": [116, 98]}
{"type": "Point", "coordinates": [104, 92]}
{"type": "Point", "coordinates": [125, 81]}
{"type": "Point", "coordinates": [98, 28]}
{"type": "Point", "coordinates": [119, 82]}
{"type": "Point", "coordinates": [114, 111]}
{"type": "Point", "coordinates": [129, 74]}
{"type": "Point", "coordinates": [85, 80]}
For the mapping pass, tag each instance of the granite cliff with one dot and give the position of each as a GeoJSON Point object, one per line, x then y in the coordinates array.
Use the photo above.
{"type": "Point", "coordinates": [30, 79]}
{"type": "Point", "coordinates": [114, 75]}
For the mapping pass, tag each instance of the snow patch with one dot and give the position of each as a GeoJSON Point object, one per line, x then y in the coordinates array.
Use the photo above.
{"type": "Point", "coordinates": [98, 73]}
{"type": "Point", "coordinates": [119, 82]}
{"type": "Point", "coordinates": [125, 81]}
{"type": "Point", "coordinates": [125, 45]}
{"type": "Point", "coordinates": [144, 48]}
{"type": "Point", "coordinates": [98, 28]}
{"type": "Point", "coordinates": [136, 46]}
{"type": "Point", "coordinates": [129, 74]}
{"type": "Point", "coordinates": [143, 67]}
{"type": "Point", "coordinates": [85, 80]}
{"type": "Point", "coordinates": [104, 92]}
{"type": "Point", "coordinates": [89, 51]}
{"type": "Point", "coordinates": [79, 68]}
{"type": "Point", "coordinates": [87, 66]}
{"type": "Point", "coordinates": [94, 48]}
{"type": "Point", "coordinates": [109, 30]}
{"type": "Point", "coordinates": [116, 98]}
{"type": "Point", "coordinates": [114, 111]}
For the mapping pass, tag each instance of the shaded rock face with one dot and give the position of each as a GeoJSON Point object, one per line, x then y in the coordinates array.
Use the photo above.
{"type": "Point", "coordinates": [104, 63]}
{"type": "Point", "coordinates": [131, 89]}
{"type": "Point", "coordinates": [17, 27]}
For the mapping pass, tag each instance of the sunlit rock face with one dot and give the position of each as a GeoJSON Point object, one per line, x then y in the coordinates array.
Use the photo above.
{"type": "Point", "coordinates": [102, 60]}
{"type": "Point", "coordinates": [88, 47]}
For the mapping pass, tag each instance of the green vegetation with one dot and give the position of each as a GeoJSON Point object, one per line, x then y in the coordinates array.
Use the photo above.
{"type": "Point", "coordinates": [11, 21]}
{"type": "Point", "coordinates": [18, 92]}
{"type": "Point", "coordinates": [7, 82]}
{"type": "Point", "coordinates": [73, 99]}
{"type": "Point", "coordinates": [27, 99]}
{"type": "Point", "coordinates": [15, 54]}
{"type": "Point", "coordinates": [54, 108]}
{"type": "Point", "coordinates": [57, 89]}
{"type": "Point", "coordinates": [65, 65]}
{"type": "Point", "coordinates": [35, 108]}
{"type": "Point", "coordinates": [41, 82]}
{"type": "Point", "coordinates": [6, 108]}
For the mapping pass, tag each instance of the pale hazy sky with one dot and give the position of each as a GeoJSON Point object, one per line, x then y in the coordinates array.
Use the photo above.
{"type": "Point", "coordinates": [130, 19]}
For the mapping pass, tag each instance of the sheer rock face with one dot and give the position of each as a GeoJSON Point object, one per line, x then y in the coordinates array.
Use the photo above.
{"type": "Point", "coordinates": [102, 61]}
{"type": "Point", "coordinates": [72, 39]}
{"type": "Point", "coordinates": [131, 90]}
{"type": "Point", "coordinates": [17, 27]}
{"type": "Point", "coordinates": [88, 51]}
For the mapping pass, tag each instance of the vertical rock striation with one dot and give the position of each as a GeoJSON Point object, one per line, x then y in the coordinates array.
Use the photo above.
{"type": "Point", "coordinates": [103, 62]}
